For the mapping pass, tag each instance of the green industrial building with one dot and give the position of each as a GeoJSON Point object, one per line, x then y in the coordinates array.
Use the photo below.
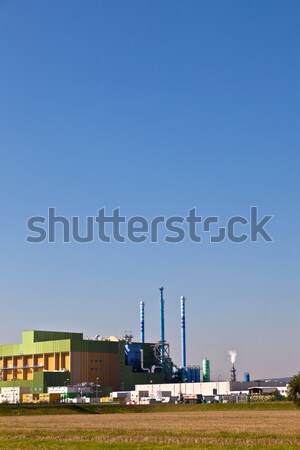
{"type": "Point", "coordinates": [50, 358]}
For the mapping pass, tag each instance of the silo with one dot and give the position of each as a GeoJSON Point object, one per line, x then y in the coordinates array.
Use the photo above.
{"type": "Point", "coordinates": [193, 378]}
{"type": "Point", "coordinates": [206, 369]}
{"type": "Point", "coordinates": [197, 379]}
{"type": "Point", "coordinates": [246, 377]}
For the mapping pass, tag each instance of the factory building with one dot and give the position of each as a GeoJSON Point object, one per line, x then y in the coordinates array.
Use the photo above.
{"type": "Point", "coordinates": [209, 389]}
{"type": "Point", "coordinates": [175, 389]}
{"type": "Point", "coordinates": [50, 358]}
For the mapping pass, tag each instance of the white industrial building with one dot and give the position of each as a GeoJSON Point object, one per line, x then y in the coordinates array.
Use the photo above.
{"type": "Point", "coordinates": [175, 389]}
{"type": "Point", "coordinates": [82, 390]}
{"type": "Point", "coordinates": [207, 389]}
{"type": "Point", "coordinates": [13, 394]}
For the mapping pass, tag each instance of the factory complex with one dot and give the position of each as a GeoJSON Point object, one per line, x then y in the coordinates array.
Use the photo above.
{"type": "Point", "coordinates": [51, 366]}
{"type": "Point", "coordinates": [212, 391]}
{"type": "Point", "coordinates": [46, 359]}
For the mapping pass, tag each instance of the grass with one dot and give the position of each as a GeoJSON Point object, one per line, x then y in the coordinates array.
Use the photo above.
{"type": "Point", "coordinates": [41, 444]}
{"type": "Point", "coordinates": [23, 410]}
{"type": "Point", "coordinates": [187, 427]}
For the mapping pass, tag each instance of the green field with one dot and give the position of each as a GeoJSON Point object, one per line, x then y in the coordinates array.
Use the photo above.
{"type": "Point", "coordinates": [20, 410]}
{"type": "Point", "coordinates": [272, 426]}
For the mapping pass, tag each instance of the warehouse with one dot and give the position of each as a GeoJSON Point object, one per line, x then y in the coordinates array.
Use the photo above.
{"type": "Point", "coordinates": [208, 389]}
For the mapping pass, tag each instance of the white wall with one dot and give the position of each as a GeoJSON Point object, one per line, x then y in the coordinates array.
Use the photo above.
{"type": "Point", "coordinates": [13, 394]}
{"type": "Point", "coordinates": [206, 389]}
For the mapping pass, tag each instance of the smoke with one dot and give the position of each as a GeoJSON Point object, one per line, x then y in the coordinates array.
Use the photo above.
{"type": "Point", "coordinates": [232, 354]}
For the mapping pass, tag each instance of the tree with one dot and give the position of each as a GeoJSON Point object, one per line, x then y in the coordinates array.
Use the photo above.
{"type": "Point", "coordinates": [294, 389]}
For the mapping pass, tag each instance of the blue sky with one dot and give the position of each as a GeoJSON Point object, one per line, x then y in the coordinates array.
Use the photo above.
{"type": "Point", "coordinates": [156, 108]}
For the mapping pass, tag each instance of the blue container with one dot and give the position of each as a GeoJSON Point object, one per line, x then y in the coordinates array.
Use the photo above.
{"type": "Point", "coordinates": [193, 374]}
{"type": "Point", "coordinates": [246, 377]}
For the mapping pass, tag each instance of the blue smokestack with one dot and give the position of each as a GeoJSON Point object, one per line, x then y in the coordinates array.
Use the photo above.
{"type": "Point", "coordinates": [162, 327]}
{"type": "Point", "coordinates": [162, 316]}
{"type": "Point", "coordinates": [142, 322]}
{"type": "Point", "coordinates": [183, 345]}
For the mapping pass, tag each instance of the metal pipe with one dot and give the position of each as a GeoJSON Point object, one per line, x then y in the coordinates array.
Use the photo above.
{"type": "Point", "coordinates": [142, 322]}
{"type": "Point", "coordinates": [183, 341]}
{"type": "Point", "coordinates": [144, 369]}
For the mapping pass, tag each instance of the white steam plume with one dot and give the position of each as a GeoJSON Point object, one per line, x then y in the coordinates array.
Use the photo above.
{"type": "Point", "coordinates": [232, 354]}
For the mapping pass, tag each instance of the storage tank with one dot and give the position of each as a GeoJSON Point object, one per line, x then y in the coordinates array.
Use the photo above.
{"type": "Point", "coordinates": [206, 369]}
{"type": "Point", "coordinates": [197, 378]}
{"type": "Point", "coordinates": [246, 377]}
{"type": "Point", "coordinates": [182, 373]}
{"type": "Point", "coordinates": [193, 373]}
{"type": "Point", "coordinates": [188, 374]}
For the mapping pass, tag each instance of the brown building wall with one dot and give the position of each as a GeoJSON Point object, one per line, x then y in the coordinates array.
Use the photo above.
{"type": "Point", "coordinates": [101, 368]}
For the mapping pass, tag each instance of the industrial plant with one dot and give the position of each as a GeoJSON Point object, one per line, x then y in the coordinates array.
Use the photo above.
{"type": "Point", "coordinates": [51, 365]}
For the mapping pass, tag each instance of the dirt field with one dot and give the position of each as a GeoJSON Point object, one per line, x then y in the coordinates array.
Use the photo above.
{"type": "Point", "coordinates": [207, 429]}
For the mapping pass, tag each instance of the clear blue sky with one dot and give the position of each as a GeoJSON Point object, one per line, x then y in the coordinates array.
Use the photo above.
{"type": "Point", "coordinates": [155, 107]}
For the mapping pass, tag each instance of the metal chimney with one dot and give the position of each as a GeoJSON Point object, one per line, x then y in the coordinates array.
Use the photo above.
{"type": "Point", "coordinates": [142, 322]}
{"type": "Point", "coordinates": [162, 322]}
{"type": "Point", "coordinates": [183, 343]}
{"type": "Point", "coordinates": [232, 373]}
{"type": "Point", "coordinates": [162, 315]}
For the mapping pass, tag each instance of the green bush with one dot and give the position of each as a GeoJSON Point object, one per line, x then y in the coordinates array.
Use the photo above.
{"type": "Point", "coordinates": [294, 389]}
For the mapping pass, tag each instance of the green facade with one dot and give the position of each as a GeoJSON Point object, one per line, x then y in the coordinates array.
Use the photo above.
{"type": "Point", "coordinates": [47, 342]}
{"type": "Point", "coordinates": [32, 344]}
{"type": "Point", "coordinates": [40, 382]}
